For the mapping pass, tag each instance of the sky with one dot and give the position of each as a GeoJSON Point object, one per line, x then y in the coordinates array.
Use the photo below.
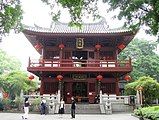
{"type": "Point", "coordinates": [36, 12]}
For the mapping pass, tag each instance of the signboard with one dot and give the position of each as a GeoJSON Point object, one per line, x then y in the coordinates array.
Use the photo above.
{"type": "Point", "coordinates": [79, 43]}
{"type": "Point", "coordinates": [79, 76]}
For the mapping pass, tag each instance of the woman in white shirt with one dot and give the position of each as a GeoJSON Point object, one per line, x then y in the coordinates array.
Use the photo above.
{"type": "Point", "coordinates": [62, 106]}
{"type": "Point", "coordinates": [26, 108]}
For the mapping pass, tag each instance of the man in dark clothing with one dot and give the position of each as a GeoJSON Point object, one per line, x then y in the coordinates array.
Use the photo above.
{"type": "Point", "coordinates": [73, 107]}
{"type": "Point", "coordinates": [43, 107]}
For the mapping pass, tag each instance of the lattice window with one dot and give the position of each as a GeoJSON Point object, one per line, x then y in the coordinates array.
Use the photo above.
{"type": "Point", "coordinates": [91, 87]}
{"type": "Point", "coordinates": [67, 55]}
{"type": "Point", "coordinates": [50, 88]}
{"type": "Point", "coordinates": [108, 88]}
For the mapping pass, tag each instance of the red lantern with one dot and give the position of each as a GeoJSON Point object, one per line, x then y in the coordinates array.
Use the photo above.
{"type": "Point", "coordinates": [99, 77]}
{"type": "Point", "coordinates": [121, 46]}
{"type": "Point", "coordinates": [127, 78]}
{"type": "Point", "coordinates": [61, 46]}
{"type": "Point", "coordinates": [97, 46]}
{"type": "Point", "coordinates": [31, 77]}
{"type": "Point", "coordinates": [59, 77]}
{"type": "Point", "coordinates": [5, 95]}
{"type": "Point", "coordinates": [38, 46]}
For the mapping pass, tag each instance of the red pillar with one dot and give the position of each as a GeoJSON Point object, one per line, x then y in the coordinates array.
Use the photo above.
{"type": "Point", "coordinates": [42, 88]}
{"type": "Point", "coordinates": [117, 86]}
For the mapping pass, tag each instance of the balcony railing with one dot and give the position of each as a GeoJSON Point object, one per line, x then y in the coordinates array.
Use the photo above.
{"type": "Point", "coordinates": [54, 63]}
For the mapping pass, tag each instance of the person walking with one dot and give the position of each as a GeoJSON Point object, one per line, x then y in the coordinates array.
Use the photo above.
{"type": "Point", "coordinates": [62, 106]}
{"type": "Point", "coordinates": [26, 108]}
{"type": "Point", "coordinates": [73, 107]}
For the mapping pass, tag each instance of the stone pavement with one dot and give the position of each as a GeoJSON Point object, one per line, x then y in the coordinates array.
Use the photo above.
{"type": "Point", "coordinates": [17, 116]}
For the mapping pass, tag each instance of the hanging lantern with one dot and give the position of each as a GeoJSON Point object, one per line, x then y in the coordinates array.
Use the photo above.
{"type": "Point", "coordinates": [5, 95]}
{"type": "Point", "coordinates": [59, 77]}
{"type": "Point", "coordinates": [61, 46]}
{"type": "Point", "coordinates": [127, 78]}
{"type": "Point", "coordinates": [99, 77]}
{"type": "Point", "coordinates": [98, 46]}
{"type": "Point", "coordinates": [38, 46]}
{"type": "Point", "coordinates": [121, 46]}
{"type": "Point", "coordinates": [31, 77]}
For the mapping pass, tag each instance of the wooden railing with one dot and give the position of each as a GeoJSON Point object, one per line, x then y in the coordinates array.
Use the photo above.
{"type": "Point", "coordinates": [82, 63]}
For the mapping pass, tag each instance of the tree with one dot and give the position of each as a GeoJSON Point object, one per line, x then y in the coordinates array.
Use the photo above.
{"type": "Point", "coordinates": [149, 85]}
{"type": "Point", "coordinates": [144, 58]}
{"type": "Point", "coordinates": [10, 16]}
{"type": "Point", "coordinates": [16, 81]}
{"type": "Point", "coordinates": [8, 63]}
{"type": "Point", "coordinates": [138, 13]}
{"type": "Point", "coordinates": [77, 9]}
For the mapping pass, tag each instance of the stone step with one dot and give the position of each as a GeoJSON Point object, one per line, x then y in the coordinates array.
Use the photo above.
{"type": "Point", "coordinates": [84, 108]}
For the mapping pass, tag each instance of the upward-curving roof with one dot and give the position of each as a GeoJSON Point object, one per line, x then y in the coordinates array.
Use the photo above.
{"type": "Point", "coordinates": [59, 27]}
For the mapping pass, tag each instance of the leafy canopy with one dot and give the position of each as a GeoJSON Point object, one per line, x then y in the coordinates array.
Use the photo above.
{"type": "Point", "coordinates": [150, 88]}
{"type": "Point", "coordinates": [8, 63]}
{"type": "Point", "coordinates": [16, 81]}
{"type": "Point", "coordinates": [144, 59]}
{"type": "Point", "coordinates": [138, 13]}
{"type": "Point", "coordinates": [10, 16]}
{"type": "Point", "coordinates": [77, 9]}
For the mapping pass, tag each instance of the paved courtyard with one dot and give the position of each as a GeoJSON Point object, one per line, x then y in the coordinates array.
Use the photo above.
{"type": "Point", "coordinates": [17, 116]}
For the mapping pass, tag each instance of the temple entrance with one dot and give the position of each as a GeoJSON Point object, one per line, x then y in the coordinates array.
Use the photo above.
{"type": "Point", "coordinates": [79, 91]}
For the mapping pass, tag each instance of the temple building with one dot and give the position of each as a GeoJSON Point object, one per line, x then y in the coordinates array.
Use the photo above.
{"type": "Point", "coordinates": [79, 62]}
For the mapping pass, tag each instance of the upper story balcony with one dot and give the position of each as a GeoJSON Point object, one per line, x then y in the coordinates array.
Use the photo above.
{"type": "Point", "coordinates": [69, 65]}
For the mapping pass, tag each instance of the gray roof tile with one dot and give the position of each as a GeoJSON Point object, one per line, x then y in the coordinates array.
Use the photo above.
{"type": "Point", "coordinates": [59, 27]}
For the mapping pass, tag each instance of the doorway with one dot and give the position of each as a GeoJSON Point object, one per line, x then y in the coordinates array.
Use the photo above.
{"type": "Point", "coordinates": [79, 91]}
{"type": "Point", "coordinates": [81, 55]}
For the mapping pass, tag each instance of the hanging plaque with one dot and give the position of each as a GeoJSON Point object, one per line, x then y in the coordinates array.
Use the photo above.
{"type": "Point", "coordinates": [79, 76]}
{"type": "Point", "coordinates": [79, 43]}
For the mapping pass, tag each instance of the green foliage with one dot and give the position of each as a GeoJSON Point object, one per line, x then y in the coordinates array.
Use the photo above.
{"type": "Point", "coordinates": [76, 8]}
{"type": "Point", "coordinates": [144, 59]}
{"type": "Point", "coordinates": [8, 63]}
{"type": "Point", "coordinates": [11, 79]}
{"type": "Point", "coordinates": [130, 89]}
{"type": "Point", "coordinates": [150, 88]}
{"type": "Point", "coordinates": [16, 81]}
{"type": "Point", "coordinates": [10, 16]}
{"type": "Point", "coordinates": [138, 13]}
{"type": "Point", "coordinates": [7, 104]}
{"type": "Point", "coordinates": [18, 102]}
{"type": "Point", "coordinates": [35, 105]}
{"type": "Point", "coordinates": [151, 113]}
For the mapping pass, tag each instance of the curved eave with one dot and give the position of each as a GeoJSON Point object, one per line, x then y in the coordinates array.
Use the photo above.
{"type": "Point", "coordinates": [107, 33]}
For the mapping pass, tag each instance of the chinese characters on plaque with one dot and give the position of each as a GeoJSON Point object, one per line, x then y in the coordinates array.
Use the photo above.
{"type": "Point", "coordinates": [79, 43]}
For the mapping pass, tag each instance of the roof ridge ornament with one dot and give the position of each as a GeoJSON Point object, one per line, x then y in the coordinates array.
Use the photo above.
{"type": "Point", "coordinates": [104, 22]}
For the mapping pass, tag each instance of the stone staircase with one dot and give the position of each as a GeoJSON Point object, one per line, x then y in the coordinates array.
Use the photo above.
{"type": "Point", "coordinates": [84, 109]}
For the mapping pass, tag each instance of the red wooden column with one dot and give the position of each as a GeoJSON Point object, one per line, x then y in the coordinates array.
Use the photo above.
{"type": "Point", "coordinates": [98, 47]}
{"type": "Point", "coordinates": [61, 46]}
{"type": "Point", "coordinates": [117, 86]}
{"type": "Point", "coordinates": [42, 87]}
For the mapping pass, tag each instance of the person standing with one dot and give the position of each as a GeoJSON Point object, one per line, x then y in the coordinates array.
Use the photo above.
{"type": "Point", "coordinates": [43, 107]}
{"type": "Point", "coordinates": [73, 107]}
{"type": "Point", "coordinates": [26, 108]}
{"type": "Point", "coordinates": [62, 105]}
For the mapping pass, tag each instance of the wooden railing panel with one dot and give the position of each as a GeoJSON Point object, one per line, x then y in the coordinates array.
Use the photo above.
{"type": "Point", "coordinates": [84, 63]}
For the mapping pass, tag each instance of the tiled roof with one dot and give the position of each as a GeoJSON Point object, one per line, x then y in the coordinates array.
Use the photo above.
{"type": "Point", "coordinates": [59, 27]}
